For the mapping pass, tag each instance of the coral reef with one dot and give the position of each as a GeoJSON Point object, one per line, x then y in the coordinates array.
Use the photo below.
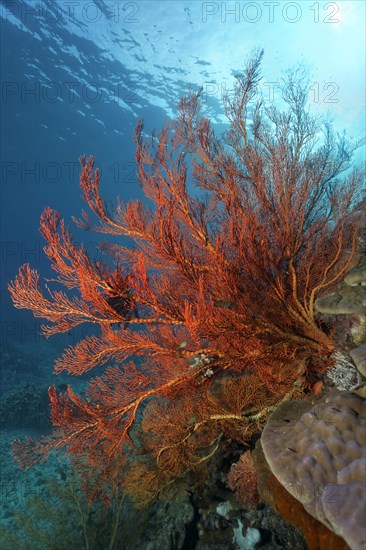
{"type": "Point", "coordinates": [213, 297]}
{"type": "Point", "coordinates": [314, 450]}
{"type": "Point", "coordinates": [317, 535]}
{"type": "Point", "coordinates": [58, 516]}
{"type": "Point", "coordinates": [318, 453]}
{"type": "Point", "coordinates": [223, 523]}
{"type": "Point", "coordinates": [344, 374]}
{"type": "Point", "coordinates": [184, 437]}
{"type": "Point", "coordinates": [350, 299]}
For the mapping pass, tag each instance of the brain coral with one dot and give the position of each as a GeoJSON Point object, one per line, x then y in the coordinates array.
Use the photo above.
{"type": "Point", "coordinates": [318, 453]}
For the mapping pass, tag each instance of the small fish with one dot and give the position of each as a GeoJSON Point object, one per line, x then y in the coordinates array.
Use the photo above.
{"type": "Point", "coordinates": [182, 345]}
{"type": "Point", "coordinates": [317, 388]}
{"type": "Point", "coordinates": [181, 348]}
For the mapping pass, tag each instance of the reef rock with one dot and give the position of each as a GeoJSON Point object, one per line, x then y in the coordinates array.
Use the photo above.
{"type": "Point", "coordinates": [359, 358]}
{"type": "Point", "coordinates": [347, 300]}
{"type": "Point", "coordinates": [350, 299]}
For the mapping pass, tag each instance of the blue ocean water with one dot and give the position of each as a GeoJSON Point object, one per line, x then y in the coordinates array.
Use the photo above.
{"type": "Point", "coordinates": [75, 79]}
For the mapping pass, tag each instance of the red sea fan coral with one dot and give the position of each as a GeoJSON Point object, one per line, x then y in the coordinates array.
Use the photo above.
{"type": "Point", "coordinates": [242, 480]}
{"type": "Point", "coordinates": [220, 281]}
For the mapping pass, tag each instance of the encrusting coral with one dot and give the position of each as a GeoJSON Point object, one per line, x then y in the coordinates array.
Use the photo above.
{"type": "Point", "coordinates": [318, 453]}
{"type": "Point", "coordinates": [359, 357]}
{"type": "Point", "coordinates": [218, 283]}
{"type": "Point", "coordinates": [317, 535]}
